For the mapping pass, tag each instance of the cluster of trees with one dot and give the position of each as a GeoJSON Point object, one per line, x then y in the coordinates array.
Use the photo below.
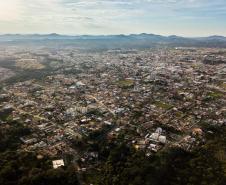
{"type": "Point", "coordinates": [203, 166]}
{"type": "Point", "coordinates": [122, 165]}
{"type": "Point", "coordinates": [10, 134]}
{"type": "Point", "coordinates": [23, 168]}
{"type": "Point", "coordinates": [26, 169]}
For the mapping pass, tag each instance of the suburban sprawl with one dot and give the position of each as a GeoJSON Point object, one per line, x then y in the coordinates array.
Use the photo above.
{"type": "Point", "coordinates": [76, 106]}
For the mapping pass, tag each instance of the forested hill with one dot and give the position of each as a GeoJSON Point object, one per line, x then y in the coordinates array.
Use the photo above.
{"type": "Point", "coordinates": [113, 41]}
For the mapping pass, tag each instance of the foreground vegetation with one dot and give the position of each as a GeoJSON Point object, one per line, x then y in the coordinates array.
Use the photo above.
{"type": "Point", "coordinates": [203, 166]}
{"type": "Point", "coordinates": [122, 165]}
{"type": "Point", "coordinates": [23, 168]}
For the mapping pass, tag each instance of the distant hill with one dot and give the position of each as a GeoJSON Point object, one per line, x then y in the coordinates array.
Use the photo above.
{"type": "Point", "coordinates": [142, 40]}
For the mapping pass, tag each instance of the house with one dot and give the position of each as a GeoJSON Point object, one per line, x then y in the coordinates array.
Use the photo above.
{"type": "Point", "coordinates": [58, 163]}
{"type": "Point", "coordinates": [157, 137]}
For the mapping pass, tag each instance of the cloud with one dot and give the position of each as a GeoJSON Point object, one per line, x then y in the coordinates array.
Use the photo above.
{"type": "Point", "coordinates": [109, 16]}
{"type": "Point", "coordinates": [10, 10]}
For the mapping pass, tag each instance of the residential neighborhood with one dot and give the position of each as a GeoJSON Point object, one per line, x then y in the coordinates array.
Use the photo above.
{"type": "Point", "coordinates": [151, 100]}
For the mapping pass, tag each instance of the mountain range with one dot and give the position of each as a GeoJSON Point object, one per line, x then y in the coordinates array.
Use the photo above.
{"type": "Point", "coordinates": [133, 40]}
{"type": "Point", "coordinates": [152, 37]}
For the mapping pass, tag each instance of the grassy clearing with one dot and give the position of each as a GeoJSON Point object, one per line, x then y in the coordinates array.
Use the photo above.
{"type": "Point", "coordinates": [125, 83]}
{"type": "Point", "coordinates": [163, 105]}
{"type": "Point", "coordinates": [224, 86]}
{"type": "Point", "coordinates": [179, 114]}
{"type": "Point", "coordinates": [215, 95]}
{"type": "Point", "coordinates": [29, 64]}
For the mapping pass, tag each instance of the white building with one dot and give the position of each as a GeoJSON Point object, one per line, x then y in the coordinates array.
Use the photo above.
{"type": "Point", "coordinates": [58, 163]}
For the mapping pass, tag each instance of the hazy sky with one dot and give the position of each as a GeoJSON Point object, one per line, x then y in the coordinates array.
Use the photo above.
{"type": "Point", "coordinates": [167, 17]}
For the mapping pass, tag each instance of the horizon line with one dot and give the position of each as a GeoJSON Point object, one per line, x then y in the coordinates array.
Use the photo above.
{"type": "Point", "coordinates": [125, 34]}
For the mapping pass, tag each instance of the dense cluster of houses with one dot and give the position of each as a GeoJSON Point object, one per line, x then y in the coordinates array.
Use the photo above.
{"type": "Point", "coordinates": [151, 99]}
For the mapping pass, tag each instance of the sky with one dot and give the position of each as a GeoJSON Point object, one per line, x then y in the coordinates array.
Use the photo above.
{"type": "Point", "coordinates": [75, 17]}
